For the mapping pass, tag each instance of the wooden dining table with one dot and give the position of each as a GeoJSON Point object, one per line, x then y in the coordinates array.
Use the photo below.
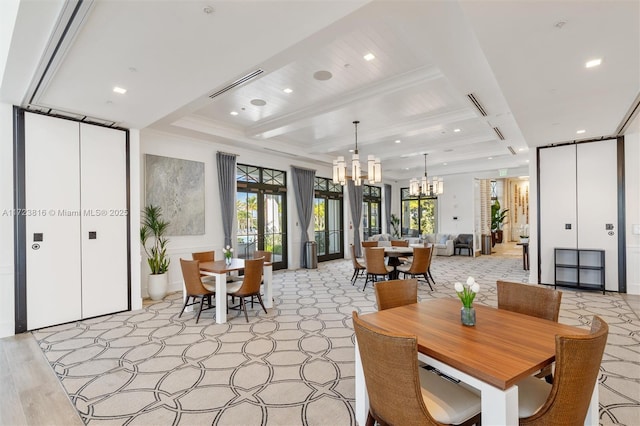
{"type": "Point", "coordinates": [503, 348]}
{"type": "Point", "coordinates": [219, 270]}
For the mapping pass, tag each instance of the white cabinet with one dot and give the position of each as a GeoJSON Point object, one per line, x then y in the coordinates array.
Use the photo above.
{"type": "Point", "coordinates": [75, 194]}
{"type": "Point", "coordinates": [578, 207]}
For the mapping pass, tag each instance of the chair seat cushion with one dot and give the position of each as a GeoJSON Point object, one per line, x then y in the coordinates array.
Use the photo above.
{"type": "Point", "coordinates": [446, 401]}
{"type": "Point", "coordinates": [209, 285]}
{"type": "Point", "coordinates": [532, 394]}
{"type": "Point", "coordinates": [234, 286]}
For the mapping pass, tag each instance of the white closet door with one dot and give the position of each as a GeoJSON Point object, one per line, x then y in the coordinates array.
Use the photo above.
{"type": "Point", "coordinates": [103, 193]}
{"type": "Point", "coordinates": [598, 203]}
{"type": "Point", "coordinates": [557, 205]}
{"type": "Point", "coordinates": [52, 188]}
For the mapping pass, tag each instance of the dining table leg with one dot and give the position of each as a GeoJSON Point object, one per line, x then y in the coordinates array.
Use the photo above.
{"type": "Point", "coordinates": [267, 276]}
{"type": "Point", "coordinates": [362, 397]}
{"type": "Point", "coordinates": [221, 298]}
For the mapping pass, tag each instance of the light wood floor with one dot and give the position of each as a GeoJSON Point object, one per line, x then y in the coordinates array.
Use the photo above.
{"type": "Point", "coordinates": [30, 393]}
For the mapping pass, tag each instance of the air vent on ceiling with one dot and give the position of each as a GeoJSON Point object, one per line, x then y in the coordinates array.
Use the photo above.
{"type": "Point", "coordinates": [237, 83]}
{"type": "Point", "coordinates": [511, 150]}
{"type": "Point", "coordinates": [477, 104]}
{"type": "Point", "coordinates": [499, 133]}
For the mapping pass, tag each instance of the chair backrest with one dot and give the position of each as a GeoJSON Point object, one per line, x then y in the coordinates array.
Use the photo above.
{"type": "Point", "coordinates": [577, 367]}
{"type": "Point", "coordinates": [191, 276]}
{"type": "Point", "coordinates": [354, 259]}
{"type": "Point", "coordinates": [421, 260]}
{"type": "Point", "coordinates": [464, 239]}
{"type": "Point", "coordinates": [391, 375]}
{"type": "Point", "coordinates": [204, 256]}
{"type": "Point", "coordinates": [261, 253]}
{"type": "Point", "coordinates": [531, 300]}
{"type": "Point", "coordinates": [393, 293]}
{"type": "Point", "coordinates": [252, 277]}
{"type": "Point", "coordinates": [399, 243]}
{"type": "Point", "coordinates": [375, 260]}
{"type": "Point", "coordinates": [369, 244]}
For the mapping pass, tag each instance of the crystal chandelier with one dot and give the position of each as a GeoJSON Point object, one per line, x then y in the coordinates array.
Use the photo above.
{"type": "Point", "coordinates": [374, 168]}
{"type": "Point", "coordinates": [422, 187]}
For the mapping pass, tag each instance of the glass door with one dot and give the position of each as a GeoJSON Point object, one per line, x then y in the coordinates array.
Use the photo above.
{"type": "Point", "coordinates": [328, 228]}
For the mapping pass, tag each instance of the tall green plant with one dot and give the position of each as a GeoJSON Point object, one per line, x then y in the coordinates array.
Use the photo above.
{"type": "Point", "coordinates": [153, 231]}
{"type": "Point", "coordinates": [497, 216]}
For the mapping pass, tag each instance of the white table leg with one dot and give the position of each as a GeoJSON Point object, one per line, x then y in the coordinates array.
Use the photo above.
{"type": "Point", "coordinates": [362, 397]}
{"type": "Point", "coordinates": [221, 298]}
{"type": "Point", "coordinates": [499, 407]}
{"type": "Point", "coordinates": [593, 414]}
{"type": "Point", "coordinates": [267, 275]}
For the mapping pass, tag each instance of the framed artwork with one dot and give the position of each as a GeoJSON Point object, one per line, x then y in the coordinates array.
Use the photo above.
{"type": "Point", "coordinates": [177, 186]}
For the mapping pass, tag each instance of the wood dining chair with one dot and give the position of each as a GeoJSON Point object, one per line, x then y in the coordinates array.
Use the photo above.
{"type": "Point", "coordinates": [401, 393]}
{"type": "Point", "coordinates": [393, 293]}
{"type": "Point", "coordinates": [205, 256]}
{"type": "Point", "coordinates": [249, 286]}
{"type": "Point", "coordinates": [399, 243]}
{"type": "Point", "coordinates": [567, 400]}
{"type": "Point", "coordinates": [195, 288]}
{"type": "Point", "coordinates": [375, 265]}
{"type": "Point", "coordinates": [420, 264]}
{"type": "Point", "coordinates": [359, 266]}
{"type": "Point", "coordinates": [531, 300]}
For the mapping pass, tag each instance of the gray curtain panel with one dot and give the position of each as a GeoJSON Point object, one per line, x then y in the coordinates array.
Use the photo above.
{"type": "Point", "coordinates": [387, 206]}
{"type": "Point", "coordinates": [355, 205]}
{"type": "Point", "coordinates": [227, 184]}
{"type": "Point", "coordinates": [303, 184]}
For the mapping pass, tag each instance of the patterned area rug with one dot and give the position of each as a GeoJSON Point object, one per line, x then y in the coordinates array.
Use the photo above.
{"type": "Point", "coordinates": [292, 366]}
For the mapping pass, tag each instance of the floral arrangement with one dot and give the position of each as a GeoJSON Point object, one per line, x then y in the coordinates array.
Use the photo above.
{"type": "Point", "coordinates": [228, 252]}
{"type": "Point", "coordinates": [524, 231]}
{"type": "Point", "coordinates": [467, 292]}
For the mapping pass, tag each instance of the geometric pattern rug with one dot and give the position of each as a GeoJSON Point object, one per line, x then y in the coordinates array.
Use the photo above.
{"type": "Point", "coordinates": [294, 365]}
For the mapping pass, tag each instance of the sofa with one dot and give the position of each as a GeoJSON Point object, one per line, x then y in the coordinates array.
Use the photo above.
{"type": "Point", "coordinates": [443, 243]}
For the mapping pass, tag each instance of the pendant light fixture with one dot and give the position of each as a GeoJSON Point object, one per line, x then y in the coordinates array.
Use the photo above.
{"type": "Point", "coordinates": [422, 186]}
{"type": "Point", "coordinates": [374, 168]}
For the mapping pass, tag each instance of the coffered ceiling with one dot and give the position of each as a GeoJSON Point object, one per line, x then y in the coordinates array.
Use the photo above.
{"type": "Point", "coordinates": [523, 61]}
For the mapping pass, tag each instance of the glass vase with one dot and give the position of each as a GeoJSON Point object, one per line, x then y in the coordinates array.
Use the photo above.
{"type": "Point", "coordinates": [227, 260]}
{"type": "Point", "coordinates": [468, 316]}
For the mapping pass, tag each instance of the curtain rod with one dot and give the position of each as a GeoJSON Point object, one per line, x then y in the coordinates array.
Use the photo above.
{"type": "Point", "coordinates": [227, 153]}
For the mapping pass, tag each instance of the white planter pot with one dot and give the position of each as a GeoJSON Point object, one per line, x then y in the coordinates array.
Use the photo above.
{"type": "Point", "coordinates": [524, 240]}
{"type": "Point", "coordinates": [157, 286]}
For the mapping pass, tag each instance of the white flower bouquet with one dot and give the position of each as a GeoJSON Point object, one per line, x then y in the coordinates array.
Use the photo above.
{"type": "Point", "coordinates": [467, 292]}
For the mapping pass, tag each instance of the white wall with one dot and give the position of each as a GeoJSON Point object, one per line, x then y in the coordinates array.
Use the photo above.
{"type": "Point", "coordinates": [169, 145]}
{"type": "Point", "coordinates": [632, 192]}
{"type": "Point", "coordinates": [6, 222]}
{"type": "Point", "coordinates": [456, 201]}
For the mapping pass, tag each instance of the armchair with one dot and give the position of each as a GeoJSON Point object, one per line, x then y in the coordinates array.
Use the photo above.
{"type": "Point", "coordinates": [464, 241]}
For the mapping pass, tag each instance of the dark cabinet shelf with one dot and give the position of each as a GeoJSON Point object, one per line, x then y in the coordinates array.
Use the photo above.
{"type": "Point", "coordinates": [579, 268]}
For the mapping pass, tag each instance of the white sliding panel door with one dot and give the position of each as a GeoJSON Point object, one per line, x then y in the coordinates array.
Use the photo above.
{"type": "Point", "coordinates": [557, 205]}
{"type": "Point", "coordinates": [104, 220]}
{"type": "Point", "coordinates": [598, 204]}
{"type": "Point", "coordinates": [52, 200]}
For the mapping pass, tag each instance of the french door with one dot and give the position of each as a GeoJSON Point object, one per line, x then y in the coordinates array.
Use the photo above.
{"type": "Point", "coordinates": [261, 215]}
{"type": "Point", "coordinates": [328, 223]}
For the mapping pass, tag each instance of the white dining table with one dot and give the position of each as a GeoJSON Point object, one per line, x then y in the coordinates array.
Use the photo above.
{"type": "Point", "coordinates": [219, 270]}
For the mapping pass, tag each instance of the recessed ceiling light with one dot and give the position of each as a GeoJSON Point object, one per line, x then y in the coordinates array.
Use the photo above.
{"type": "Point", "coordinates": [234, 113]}
{"type": "Point", "coordinates": [369, 57]}
{"type": "Point", "coordinates": [287, 90]}
{"type": "Point", "coordinates": [456, 130]}
{"type": "Point", "coordinates": [398, 141]}
{"type": "Point", "coordinates": [444, 164]}
{"type": "Point", "coordinates": [520, 149]}
{"type": "Point", "coordinates": [581, 131]}
{"type": "Point", "coordinates": [593, 63]}
{"type": "Point", "coordinates": [350, 150]}
{"type": "Point", "coordinates": [490, 158]}
{"type": "Point", "coordinates": [322, 75]}
{"type": "Point", "coordinates": [119, 90]}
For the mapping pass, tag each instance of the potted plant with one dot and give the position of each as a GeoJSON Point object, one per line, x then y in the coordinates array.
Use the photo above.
{"type": "Point", "coordinates": [154, 242]}
{"type": "Point", "coordinates": [395, 225]}
{"type": "Point", "coordinates": [497, 217]}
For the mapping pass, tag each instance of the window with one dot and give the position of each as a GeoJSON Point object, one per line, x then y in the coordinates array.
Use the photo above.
{"type": "Point", "coordinates": [261, 213]}
{"type": "Point", "coordinates": [371, 211]}
{"type": "Point", "coordinates": [328, 223]}
{"type": "Point", "coordinates": [418, 214]}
